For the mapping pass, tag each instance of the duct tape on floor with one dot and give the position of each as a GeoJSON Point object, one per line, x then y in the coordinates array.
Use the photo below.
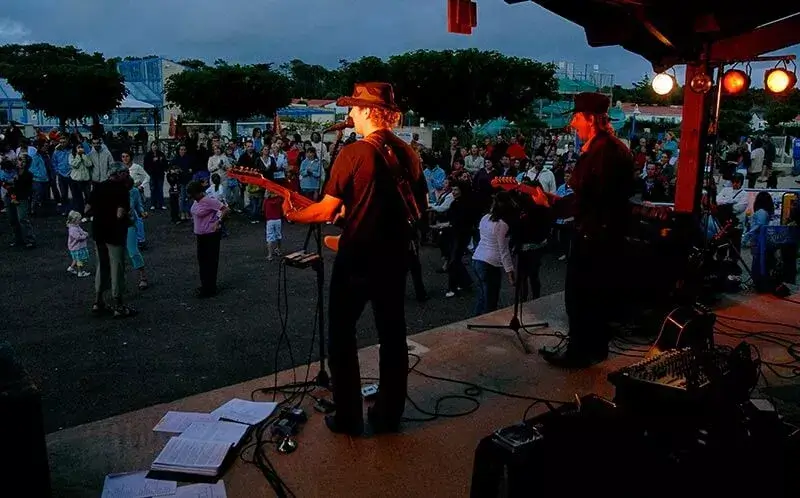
{"type": "Point", "coordinates": [416, 348]}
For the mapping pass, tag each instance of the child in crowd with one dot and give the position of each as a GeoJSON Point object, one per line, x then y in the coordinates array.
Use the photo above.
{"type": "Point", "coordinates": [174, 180]}
{"type": "Point", "coordinates": [77, 245]}
{"type": "Point", "coordinates": [217, 191]}
{"type": "Point", "coordinates": [273, 213]}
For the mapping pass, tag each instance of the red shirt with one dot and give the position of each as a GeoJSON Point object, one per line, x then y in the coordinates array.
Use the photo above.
{"type": "Point", "coordinates": [273, 208]}
{"type": "Point", "coordinates": [515, 151]}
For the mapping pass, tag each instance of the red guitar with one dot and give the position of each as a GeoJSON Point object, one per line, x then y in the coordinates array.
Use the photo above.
{"type": "Point", "coordinates": [251, 176]}
{"type": "Point", "coordinates": [511, 183]}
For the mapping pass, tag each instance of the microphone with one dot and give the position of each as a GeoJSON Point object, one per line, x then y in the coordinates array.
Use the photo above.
{"type": "Point", "coordinates": [347, 123]}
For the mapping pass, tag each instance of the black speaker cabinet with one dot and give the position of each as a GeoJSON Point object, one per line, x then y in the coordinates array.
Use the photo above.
{"type": "Point", "coordinates": [23, 450]}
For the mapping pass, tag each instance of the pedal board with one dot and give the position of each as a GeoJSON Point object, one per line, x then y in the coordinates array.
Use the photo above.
{"type": "Point", "coordinates": [301, 259]}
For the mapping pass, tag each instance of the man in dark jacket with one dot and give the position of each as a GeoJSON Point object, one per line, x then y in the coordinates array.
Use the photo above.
{"type": "Point", "coordinates": [602, 183]}
{"type": "Point", "coordinates": [155, 164]}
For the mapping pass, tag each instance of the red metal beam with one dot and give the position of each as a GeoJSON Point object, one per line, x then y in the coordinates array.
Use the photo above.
{"type": "Point", "coordinates": [692, 159]}
{"type": "Point", "coordinates": [775, 36]}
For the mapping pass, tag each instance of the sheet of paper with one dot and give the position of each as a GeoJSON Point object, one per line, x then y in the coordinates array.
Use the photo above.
{"type": "Point", "coordinates": [136, 485]}
{"type": "Point", "coordinates": [246, 412]}
{"type": "Point", "coordinates": [182, 452]}
{"type": "Point", "coordinates": [221, 431]}
{"type": "Point", "coordinates": [178, 421]}
{"type": "Point", "coordinates": [202, 491]}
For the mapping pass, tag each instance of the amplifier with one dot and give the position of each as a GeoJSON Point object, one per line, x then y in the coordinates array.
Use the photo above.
{"type": "Point", "coordinates": [24, 450]}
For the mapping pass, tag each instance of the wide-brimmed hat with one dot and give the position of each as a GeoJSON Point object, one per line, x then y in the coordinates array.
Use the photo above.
{"type": "Point", "coordinates": [591, 102]}
{"type": "Point", "coordinates": [370, 94]}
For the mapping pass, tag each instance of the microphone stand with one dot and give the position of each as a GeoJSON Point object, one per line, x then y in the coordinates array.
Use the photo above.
{"type": "Point", "coordinates": [515, 324]}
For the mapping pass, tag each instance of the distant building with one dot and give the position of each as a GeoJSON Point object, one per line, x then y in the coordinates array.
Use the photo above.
{"type": "Point", "coordinates": [652, 113]}
{"type": "Point", "coordinates": [587, 78]}
{"type": "Point", "coordinates": [146, 78]}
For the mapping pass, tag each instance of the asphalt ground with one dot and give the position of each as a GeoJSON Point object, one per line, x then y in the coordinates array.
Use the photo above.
{"type": "Point", "coordinates": [89, 368]}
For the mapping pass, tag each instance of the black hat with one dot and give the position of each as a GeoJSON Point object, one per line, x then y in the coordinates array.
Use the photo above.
{"type": "Point", "coordinates": [592, 103]}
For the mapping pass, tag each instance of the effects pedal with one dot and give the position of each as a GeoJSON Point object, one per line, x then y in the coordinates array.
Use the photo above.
{"type": "Point", "coordinates": [517, 437]}
{"type": "Point", "coordinates": [324, 406]}
{"type": "Point", "coordinates": [369, 391]}
{"type": "Point", "coordinates": [301, 259]}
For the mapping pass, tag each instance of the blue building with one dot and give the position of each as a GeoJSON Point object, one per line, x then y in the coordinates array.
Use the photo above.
{"type": "Point", "coordinates": [145, 78]}
{"type": "Point", "coordinates": [12, 105]}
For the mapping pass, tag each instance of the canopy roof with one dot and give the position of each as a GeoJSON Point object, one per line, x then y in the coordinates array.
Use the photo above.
{"type": "Point", "coordinates": [679, 31]}
{"type": "Point", "coordinates": [131, 103]}
{"type": "Point", "coordinates": [302, 111]}
{"type": "Point", "coordinates": [7, 92]}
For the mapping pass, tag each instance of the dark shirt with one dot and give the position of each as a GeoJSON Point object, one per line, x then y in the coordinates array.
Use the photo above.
{"type": "Point", "coordinates": [602, 184]}
{"type": "Point", "coordinates": [155, 164]}
{"type": "Point", "coordinates": [375, 217]}
{"type": "Point", "coordinates": [105, 199]}
{"type": "Point", "coordinates": [23, 186]}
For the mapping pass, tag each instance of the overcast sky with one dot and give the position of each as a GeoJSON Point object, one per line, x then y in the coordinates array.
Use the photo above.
{"type": "Point", "coordinates": [316, 31]}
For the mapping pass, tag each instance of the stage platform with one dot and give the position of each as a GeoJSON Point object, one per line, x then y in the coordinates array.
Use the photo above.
{"type": "Point", "coordinates": [431, 459]}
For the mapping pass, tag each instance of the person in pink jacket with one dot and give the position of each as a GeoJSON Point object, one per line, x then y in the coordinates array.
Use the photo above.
{"type": "Point", "coordinates": [77, 244]}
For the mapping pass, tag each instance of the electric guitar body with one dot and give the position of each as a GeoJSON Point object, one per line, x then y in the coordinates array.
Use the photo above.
{"type": "Point", "coordinates": [687, 326]}
{"type": "Point", "coordinates": [251, 176]}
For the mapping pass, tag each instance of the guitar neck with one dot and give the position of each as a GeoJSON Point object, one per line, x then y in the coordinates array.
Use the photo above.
{"type": "Point", "coordinates": [271, 186]}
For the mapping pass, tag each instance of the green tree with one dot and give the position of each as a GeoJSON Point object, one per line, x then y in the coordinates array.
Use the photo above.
{"type": "Point", "coordinates": [229, 92]}
{"type": "Point", "coordinates": [368, 68]}
{"type": "Point", "coordinates": [312, 81]}
{"type": "Point", "coordinates": [193, 63]}
{"type": "Point", "coordinates": [63, 82]}
{"type": "Point", "coordinates": [454, 86]}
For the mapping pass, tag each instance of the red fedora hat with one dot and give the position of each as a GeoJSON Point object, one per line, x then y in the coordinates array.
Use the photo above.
{"type": "Point", "coordinates": [370, 94]}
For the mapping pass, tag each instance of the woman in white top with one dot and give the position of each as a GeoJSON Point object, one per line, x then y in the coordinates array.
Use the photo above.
{"type": "Point", "coordinates": [493, 255]}
{"type": "Point", "coordinates": [218, 164]}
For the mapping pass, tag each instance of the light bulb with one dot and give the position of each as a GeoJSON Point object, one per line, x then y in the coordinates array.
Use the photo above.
{"type": "Point", "coordinates": [663, 84]}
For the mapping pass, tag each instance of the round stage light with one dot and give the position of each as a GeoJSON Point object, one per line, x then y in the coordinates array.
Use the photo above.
{"type": "Point", "coordinates": [779, 80]}
{"type": "Point", "coordinates": [735, 82]}
{"type": "Point", "coordinates": [663, 83]}
{"type": "Point", "coordinates": [701, 83]}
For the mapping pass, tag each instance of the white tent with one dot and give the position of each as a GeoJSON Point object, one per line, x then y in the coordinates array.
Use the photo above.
{"type": "Point", "coordinates": [131, 103]}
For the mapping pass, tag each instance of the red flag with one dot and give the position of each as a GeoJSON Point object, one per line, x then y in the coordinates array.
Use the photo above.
{"type": "Point", "coordinates": [173, 126]}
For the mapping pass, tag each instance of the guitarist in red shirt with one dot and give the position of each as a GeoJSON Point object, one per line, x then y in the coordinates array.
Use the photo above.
{"type": "Point", "coordinates": [379, 182]}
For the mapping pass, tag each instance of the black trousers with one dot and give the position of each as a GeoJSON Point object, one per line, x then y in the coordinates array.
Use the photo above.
{"type": "Point", "coordinates": [457, 275]}
{"type": "Point", "coordinates": [415, 268]}
{"type": "Point", "coordinates": [354, 282]}
{"type": "Point", "coordinates": [208, 259]}
{"type": "Point", "coordinates": [529, 263]}
{"type": "Point", "coordinates": [595, 286]}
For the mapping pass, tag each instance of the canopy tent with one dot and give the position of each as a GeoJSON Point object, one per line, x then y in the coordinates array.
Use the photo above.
{"type": "Point", "coordinates": [491, 128]}
{"type": "Point", "coordinates": [570, 86]}
{"type": "Point", "coordinates": [131, 103]}
{"type": "Point", "coordinates": [303, 112]}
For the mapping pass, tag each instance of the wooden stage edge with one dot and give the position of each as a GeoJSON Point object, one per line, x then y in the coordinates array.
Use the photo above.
{"type": "Point", "coordinates": [432, 459]}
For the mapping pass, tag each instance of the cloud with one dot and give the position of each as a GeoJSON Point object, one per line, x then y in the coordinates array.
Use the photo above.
{"type": "Point", "coordinates": [317, 31]}
{"type": "Point", "coordinates": [13, 31]}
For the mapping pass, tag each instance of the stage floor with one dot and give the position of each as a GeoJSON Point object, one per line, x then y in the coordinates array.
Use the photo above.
{"type": "Point", "coordinates": [432, 459]}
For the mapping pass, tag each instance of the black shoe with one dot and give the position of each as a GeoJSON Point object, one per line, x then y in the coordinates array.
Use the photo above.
{"type": "Point", "coordinates": [379, 424]}
{"type": "Point", "coordinates": [354, 429]}
{"type": "Point", "coordinates": [566, 357]}
{"type": "Point", "coordinates": [204, 294]}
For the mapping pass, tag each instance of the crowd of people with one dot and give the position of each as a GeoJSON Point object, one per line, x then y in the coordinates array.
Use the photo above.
{"type": "Point", "coordinates": [463, 208]}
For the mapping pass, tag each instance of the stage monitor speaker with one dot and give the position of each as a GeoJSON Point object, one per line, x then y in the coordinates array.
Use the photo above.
{"type": "Point", "coordinates": [24, 449]}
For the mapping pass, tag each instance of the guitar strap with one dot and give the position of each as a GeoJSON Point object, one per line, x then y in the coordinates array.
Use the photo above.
{"type": "Point", "coordinates": [402, 183]}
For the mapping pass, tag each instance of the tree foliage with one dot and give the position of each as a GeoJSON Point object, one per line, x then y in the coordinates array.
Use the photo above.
{"type": "Point", "coordinates": [193, 63]}
{"type": "Point", "coordinates": [231, 92]}
{"type": "Point", "coordinates": [63, 82]}
{"type": "Point", "coordinates": [449, 86]}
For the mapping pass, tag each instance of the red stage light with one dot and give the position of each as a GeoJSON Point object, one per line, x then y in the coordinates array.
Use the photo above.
{"type": "Point", "coordinates": [779, 80]}
{"type": "Point", "coordinates": [735, 82]}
